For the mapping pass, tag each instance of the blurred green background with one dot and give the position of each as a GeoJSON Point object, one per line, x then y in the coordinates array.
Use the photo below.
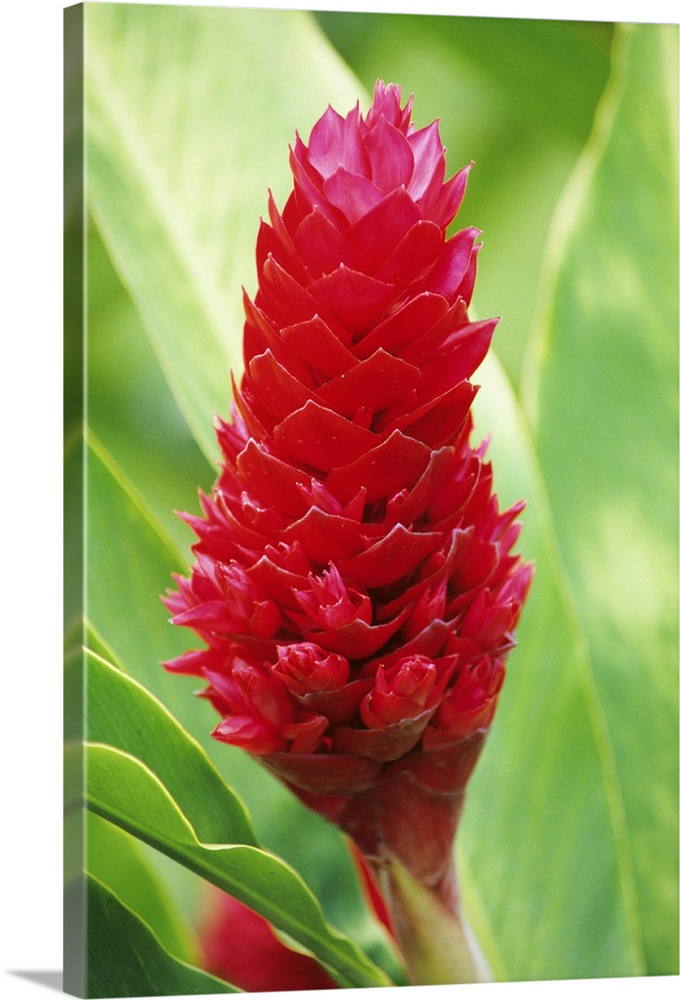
{"type": "Point", "coordinates": [568, 850]}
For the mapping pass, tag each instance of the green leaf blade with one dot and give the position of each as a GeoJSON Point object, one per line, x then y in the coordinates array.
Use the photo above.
{"type": "Point", "coordinates": [122, 790]}
{"type": "Point", "coordinates": [603, 394]}
{"type": "Point", "coordinates": [123, 714]}
{"type": "Point", "coordinates": [125, 958]}
{"type": "Point", "coordinates": [117, 860]}
{"type": "Point", "coordinates": [539, 838]}
{"type": "Point", "coordinates": [125, 581]}
{"type": "Point", "coordinates": [130, 408]}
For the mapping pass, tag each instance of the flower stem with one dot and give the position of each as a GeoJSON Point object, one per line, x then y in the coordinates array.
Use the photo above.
{"type": "Point", "coordinates": [437, 945]}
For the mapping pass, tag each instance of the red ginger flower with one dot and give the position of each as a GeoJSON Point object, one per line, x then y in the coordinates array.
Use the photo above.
{"type": "Point", "coordinates": [354, 581]}
{"type": "Point", "coordinates": [239, 946]}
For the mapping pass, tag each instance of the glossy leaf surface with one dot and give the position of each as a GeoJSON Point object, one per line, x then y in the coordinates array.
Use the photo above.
{"type": "Point", "coordinates": [124, 791]}
{"type": "Point", "coordinates": [117, 860]}
{"type": "Point", "coordinates": [122, 950]}
{"type": "Point", "coordinates": [125, 581]}
{"type": "Point", "coordinates": [131, 412]}
{"type": "Point", "coordinates": [122, 714]}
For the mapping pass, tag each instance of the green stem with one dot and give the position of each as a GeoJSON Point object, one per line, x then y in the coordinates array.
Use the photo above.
{"type": "Point", "coordinates": [437, 945]}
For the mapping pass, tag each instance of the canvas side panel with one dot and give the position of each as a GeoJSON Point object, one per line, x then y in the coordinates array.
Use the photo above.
{"type": "Point", "coordinates": [74, 403]}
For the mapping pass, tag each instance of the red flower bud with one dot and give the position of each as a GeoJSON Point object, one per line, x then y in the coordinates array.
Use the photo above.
{"type": "Point", "coordinates": [258, 713]}
{"type": "Point", "coordinates": [404, 691]}
{"type": "Point", "coordinates": [330, 604]}
{"type": "Point", "coordinates": [470, 702]}
{"type": "Point", "coordinates": [319, 681]}
{"type": "Point", "coordinates": [305, 669]}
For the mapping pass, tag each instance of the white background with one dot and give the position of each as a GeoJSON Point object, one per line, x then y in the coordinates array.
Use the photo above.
{"type": "Point", "coordinates": [30, 540]}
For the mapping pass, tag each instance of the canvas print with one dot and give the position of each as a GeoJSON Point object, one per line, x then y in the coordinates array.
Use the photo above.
{"type": "Point", "coordinates": [371, 500]}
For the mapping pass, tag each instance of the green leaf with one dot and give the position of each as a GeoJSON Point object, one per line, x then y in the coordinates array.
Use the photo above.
{"type": "Point", "coordinates": [73, 484]}
{"type": "Point", "coordinates": [603, 394]}
{"type": "Point", "coordinates": [95, 643]}
{"type": "Point", "coordinates": [125, 580]}
{"type": "Point", "coordinates": [125, 959]}
{"type": "Point", "coordinates": [546, 879]}
{"type": "Point", "coordinates": [178, 173]}
{"type": "Point", "coordinates": [117, 860]}
{"type": "Point", "coordinates": [105, 851]}
{"type": "Point", "coordinates": [74, 827]}
{"type": "Point", "coordinates": [130, 409]}
{"type": "Point", "coordinates": [124, 791]}
{"type": "Point", "coordinates": [121, 713]}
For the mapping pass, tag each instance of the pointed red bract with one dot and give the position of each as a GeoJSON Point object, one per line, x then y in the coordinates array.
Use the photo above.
{"type": "Point", "coordinates": [354, 584]}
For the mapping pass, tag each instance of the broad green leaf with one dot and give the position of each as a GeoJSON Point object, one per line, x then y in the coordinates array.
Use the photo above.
{"type": "Point", "coordinates": [129, 563]}
{"type": "Point", "coordinates": [124, 791]}
{"type": "Point", "coordinates": [130, 409]}
{"type": "Point", "coordinates": [121, 713]}
{"type": "Point", "coordinates": [73, 694]}
{"type": "Point", "coordinates": [176, 141]}
{"type": "Point", "coordinates": [545, 867]}
{"type": "Point", "coordinates": [603, 395]}
{"type": "Point", "coordinates": [125, 959]}
{"type": "Point", "coordinates": [95, 643]}
{"type": "Point", "coordinates": [74, 823]}
{"type": "Point", "coordinates": [73, 534]}
{"type": "Point", "coordinates": [117, 860]}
